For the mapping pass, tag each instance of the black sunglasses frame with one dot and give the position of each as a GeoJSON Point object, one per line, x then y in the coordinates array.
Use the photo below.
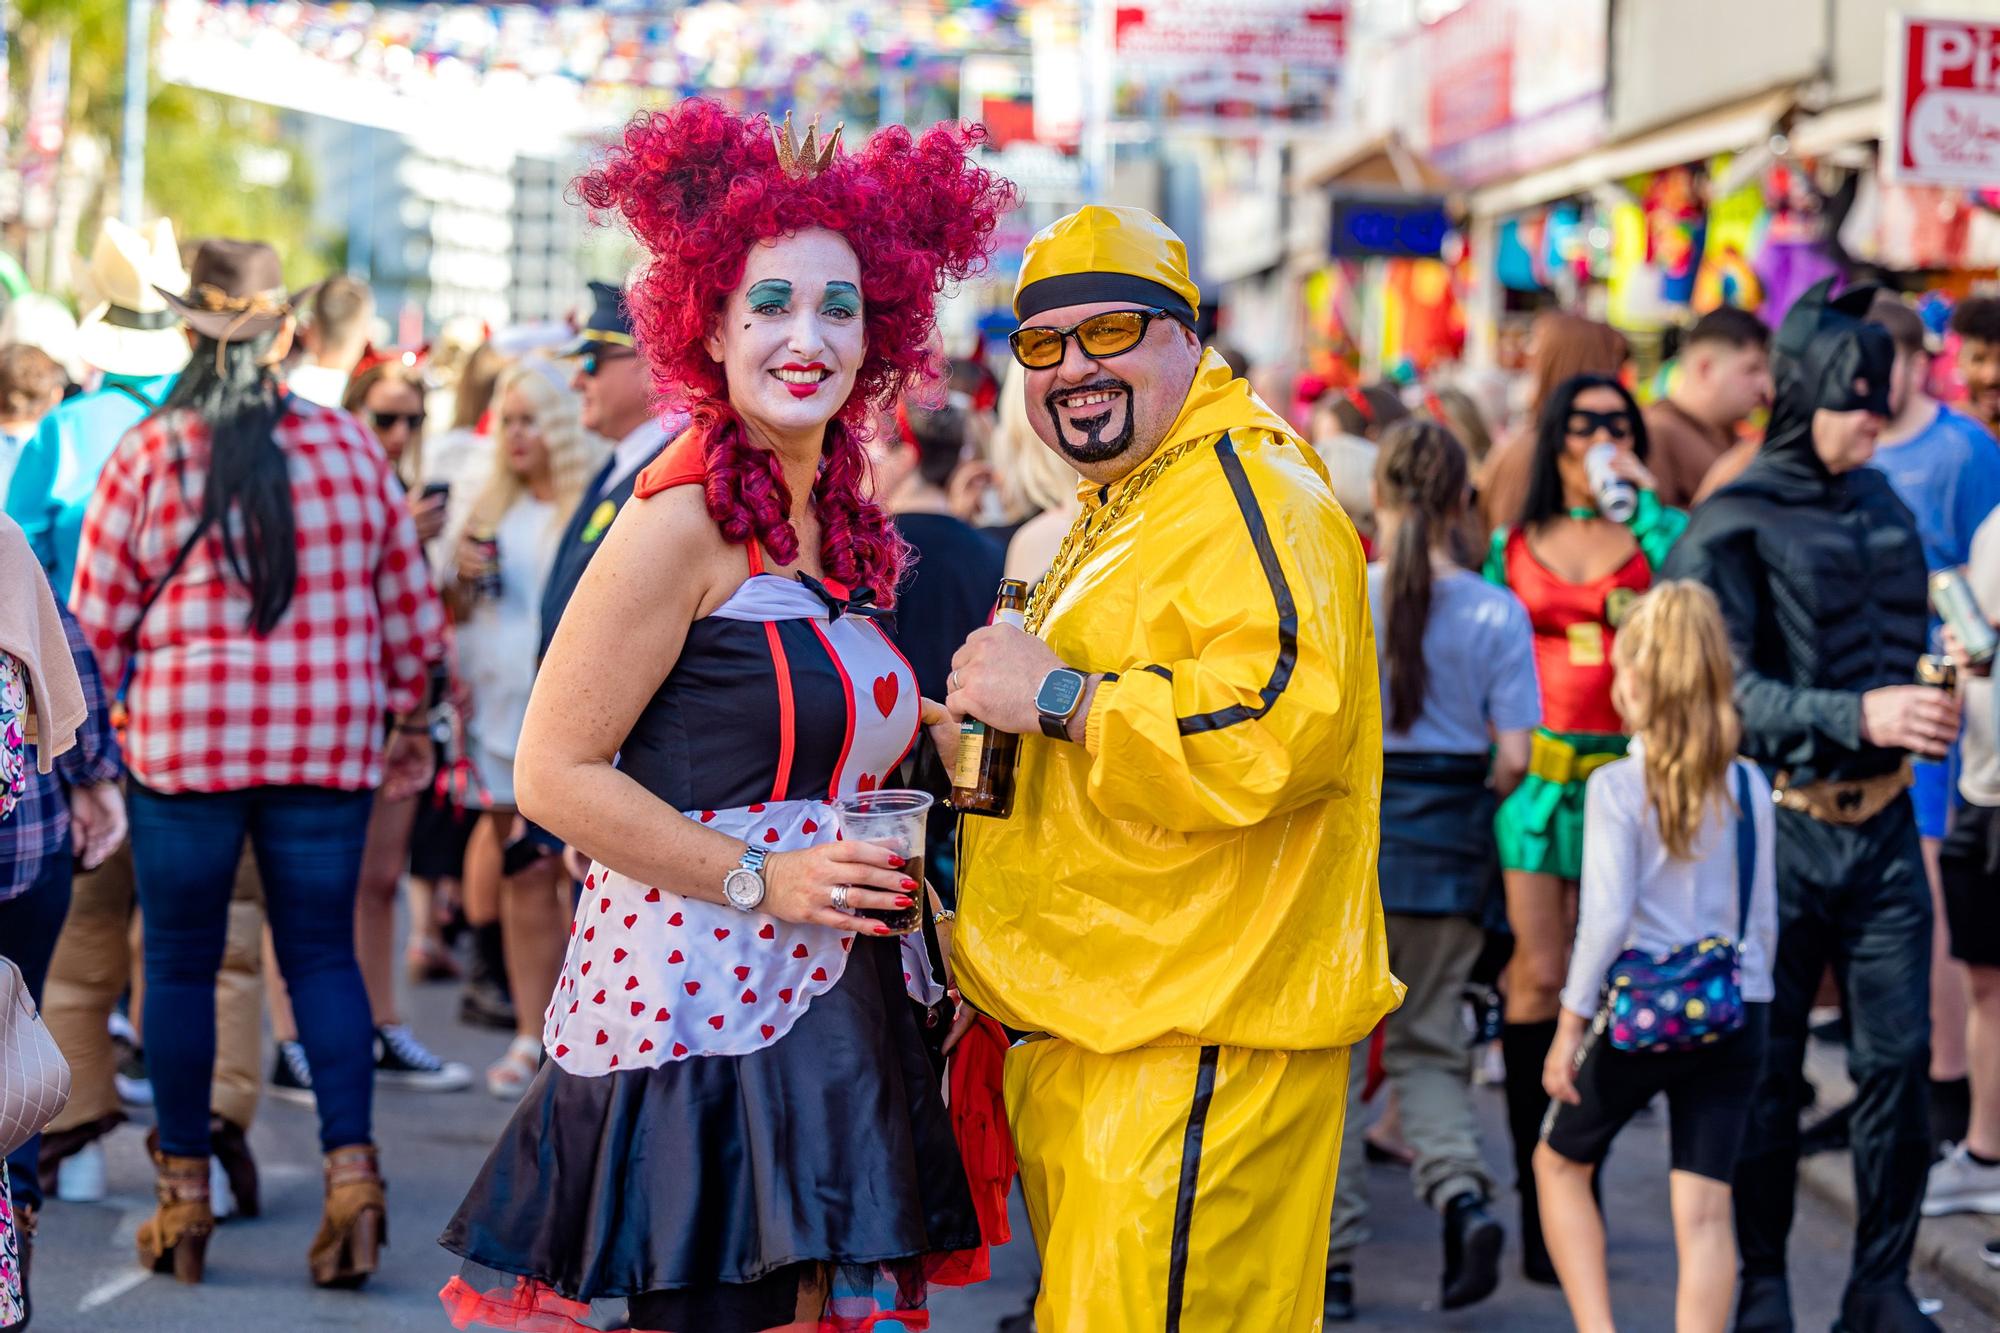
{"type": "Point", "coordinates": [595, 361]}
{"type": "Point", "coordinates": [1618, 424]}
{"type": "Point", "coordinates": [384, 420]}
{"type": "Point", "coordinates": [1147, 313]}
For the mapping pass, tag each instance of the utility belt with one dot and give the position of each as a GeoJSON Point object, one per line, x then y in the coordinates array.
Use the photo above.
{"type": "Point", "coordinates": [1555, 760]}
{"type": "Point", "coordinates": [1846, 803]}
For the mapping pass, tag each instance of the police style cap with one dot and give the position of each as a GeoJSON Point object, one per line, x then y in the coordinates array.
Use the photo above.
{"type": "Point", "coordinates": [609, 324]}
{"type": "Point", "coordinates": [1106, 254]}
{"type": "Point", "coordinates": [1827, 345]}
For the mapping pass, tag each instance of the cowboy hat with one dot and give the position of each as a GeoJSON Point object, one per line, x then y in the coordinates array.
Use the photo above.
{"type": "Point", "coordinates": [127, 329]}
{"type": "Point", "coordinates": [235, 291]}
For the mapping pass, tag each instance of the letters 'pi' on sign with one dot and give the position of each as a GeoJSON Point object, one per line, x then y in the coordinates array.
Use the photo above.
{"type": "Point", "coordinates": [1943, 101]}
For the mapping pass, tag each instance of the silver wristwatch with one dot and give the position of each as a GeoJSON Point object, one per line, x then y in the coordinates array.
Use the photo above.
{"type": "Point", "coordinates": [744, 886]}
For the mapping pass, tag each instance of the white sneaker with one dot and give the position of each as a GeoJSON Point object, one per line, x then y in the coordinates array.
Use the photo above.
{"type": "Point", "coordinates": [80, 1176]}
{"type": "Point", "coordinates": [1960, 1185]}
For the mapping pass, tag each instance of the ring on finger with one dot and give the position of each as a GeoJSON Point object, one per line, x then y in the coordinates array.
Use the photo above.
{"type": "Point", "coordinates": [840, 897]}
{"type": "Point", "coordinates": [953, 682]}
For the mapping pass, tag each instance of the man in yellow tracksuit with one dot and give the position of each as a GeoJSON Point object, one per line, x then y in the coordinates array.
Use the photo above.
{"type": "Point", "coordinates": [1181, 913]}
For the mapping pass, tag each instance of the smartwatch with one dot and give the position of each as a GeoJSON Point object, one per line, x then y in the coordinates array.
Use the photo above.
{"type": "Point", "coordinates": [1057, 700]}
{"type": "Point", "coordinates": [744, 886]}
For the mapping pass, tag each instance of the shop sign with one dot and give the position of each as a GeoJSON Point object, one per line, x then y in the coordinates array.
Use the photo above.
{"type": "Point", "coordinates": [1299, 34]}
{"type": "Point", "coordinates": [1392, 226]}
{"type": "Point", "coordinates": [1514, 85]}
{"type": "Point", "coordinates": [1943, 91]}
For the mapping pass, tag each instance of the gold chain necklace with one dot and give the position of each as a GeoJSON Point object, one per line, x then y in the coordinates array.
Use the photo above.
{"type": "Point", "coordinates": [1084, 535]}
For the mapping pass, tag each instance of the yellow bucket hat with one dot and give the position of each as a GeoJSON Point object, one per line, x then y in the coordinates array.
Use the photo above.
{"type": "Point", "coordinates": [1106, 254]}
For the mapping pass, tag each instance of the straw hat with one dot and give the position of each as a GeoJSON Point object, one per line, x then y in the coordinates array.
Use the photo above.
{"type": "Point", "coordinates": [127, 328]}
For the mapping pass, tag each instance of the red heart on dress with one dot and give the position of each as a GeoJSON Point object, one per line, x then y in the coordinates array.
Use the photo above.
{"type": "Point", "coordinates": [693, 987]}
{"type": "Point", "coordinates": [638, 1007]}
{"type": "Point", "coordinates": [809, 828]}
{"type": "Point", "coordinates": [866, 782]}
{"type": "Point", "coordinates": [561, 1051]}
{"type": "Point", "coordinates": [716, 1022]}
{"type": "Point", "coordinates": [886, 690]}
{"type": "Point", "coordinates": [743, 974]}
{"type": "Point", "coordinates": [617, 955]}
{"type": "Point", "coordinates": [765, 932]}
{"type": "Point", "coordinates": [819, 974]}
{"type": "Point", "coordinates": [653, 896]}
{"type": "Point", "coordinates": [602, 1036]}
{"type": "Point", "coordinates": [614, 1062]}
{"type": "Point", "coordinates": [785, 995]}
{"type": "Point", "coordinates": [632, 983]}
{"type": "Point", "coordinates": [674, 920]}
{"type": "Point", "coordinates": [572, 928]}
{"type": "Point", "coordinates": [586, 967]}
{"type": "Point", "coordinates": [590, 880]}
{"type": "Point", "coordinates": [767, 1030]}
{"type": "Point", "coordinates": [721, 934]}
{"type": "Point", "coordinates": [630, 920]}
{"type": "Point", "coordinates": [679, 1050]}
{"type": "Point", "coordinates": [757, 809]}
{"type": "Point", "coordinates": [770, 835]}
{"type": "Point", "coordinates": [572, 1006]}
{"type": "Point", "coordinates": [707, 815]}
{"type": "Point", "coordinates": [799, 951]}
{"type": "Point", "coordinates": [847, 942]}
{"type": "Point", "coordinates": [749, 997]}
{"type": "Point", "coordinates": [597, 998]}
{"type": "Point", "coordinates": [675, 957]}
{"type": "Point", "coordinates": [661, 1016]}
{"type": "Point", "coordinates": [603, 904]}
{"type": "Point", "coordinates": [645, 1045]}
{"type": "Point", "coordinates": [590, 933]}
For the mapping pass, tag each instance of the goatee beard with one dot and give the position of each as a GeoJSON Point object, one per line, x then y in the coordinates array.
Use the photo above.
{"type": "Point", "coordinates": [1093, 447]}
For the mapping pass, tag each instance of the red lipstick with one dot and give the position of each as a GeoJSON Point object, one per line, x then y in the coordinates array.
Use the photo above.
{"type": "Point", "coordinates": [805, 390]}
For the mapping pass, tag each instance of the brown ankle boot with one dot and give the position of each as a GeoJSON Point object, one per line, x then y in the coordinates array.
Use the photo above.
{"type": "Point", "coordinates": [175, 1238]}
{"type": "Point", "coordinates": [356, 1224]}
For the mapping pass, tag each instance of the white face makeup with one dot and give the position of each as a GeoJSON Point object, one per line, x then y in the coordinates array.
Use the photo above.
{"type": "Point", "coordinates": [790, 338]}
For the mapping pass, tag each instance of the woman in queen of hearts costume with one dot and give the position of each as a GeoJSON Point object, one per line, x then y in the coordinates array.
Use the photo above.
{"type": "Point", "coordinates": [738, 1129]}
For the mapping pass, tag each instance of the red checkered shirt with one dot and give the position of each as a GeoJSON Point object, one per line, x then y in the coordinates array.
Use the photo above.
{"type": "Point", "coordinates": [215, 706]}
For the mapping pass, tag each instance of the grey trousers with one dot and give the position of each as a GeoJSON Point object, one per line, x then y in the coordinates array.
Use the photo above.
{"type": "Point", "coordinates": [1427, 1056]}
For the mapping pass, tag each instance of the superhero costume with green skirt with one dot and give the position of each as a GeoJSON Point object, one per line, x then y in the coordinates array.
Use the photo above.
{"type": "Point", "coordinates": [1540, 827]}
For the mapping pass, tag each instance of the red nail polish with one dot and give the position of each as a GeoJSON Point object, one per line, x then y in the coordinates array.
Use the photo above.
{"type": "Point", "coordinates": [909, 886]}
{"type": "Point", "coordinates": [906, 902]}
{"type": "Point", "coordinates": [881, 930]}
{"type": "Point", "coordinates": [895, 862]}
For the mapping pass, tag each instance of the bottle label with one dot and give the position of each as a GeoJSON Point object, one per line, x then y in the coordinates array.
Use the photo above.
{"type": "Point", "coordinates": [971, 750]}
{"type": "Point", "coordinates": [1009, 616]}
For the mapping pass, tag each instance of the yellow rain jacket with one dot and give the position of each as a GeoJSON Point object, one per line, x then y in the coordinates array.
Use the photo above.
{"type": "Point", "coordinates": [1203, 867]}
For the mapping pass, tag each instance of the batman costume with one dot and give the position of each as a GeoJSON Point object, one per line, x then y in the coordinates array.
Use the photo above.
{"type": "Point", "coordinates": [1821, 578]}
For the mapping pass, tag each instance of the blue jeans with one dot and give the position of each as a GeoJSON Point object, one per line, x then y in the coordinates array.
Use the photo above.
{"type": "Point", "coordinates": [185, 849]}
{"type": "Point", "coordinates": [30, 923]}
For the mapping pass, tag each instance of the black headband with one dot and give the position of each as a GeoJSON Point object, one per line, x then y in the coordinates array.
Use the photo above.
{"type": "Point", "coordinates": [119, 317]}
{"type": "Point", "coordinates": [1068, 289]}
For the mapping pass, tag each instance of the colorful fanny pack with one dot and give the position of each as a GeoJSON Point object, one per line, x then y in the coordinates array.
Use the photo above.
{"type": "Point", "coordinates": [1693, 996]}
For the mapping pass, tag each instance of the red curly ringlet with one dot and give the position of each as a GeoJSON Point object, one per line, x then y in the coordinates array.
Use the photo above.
{"type": "Point", "coordinates": [699, 185]}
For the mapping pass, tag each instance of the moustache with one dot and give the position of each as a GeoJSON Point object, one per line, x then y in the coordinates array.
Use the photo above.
{"type": "Point", "coordinates": [1108, 384]}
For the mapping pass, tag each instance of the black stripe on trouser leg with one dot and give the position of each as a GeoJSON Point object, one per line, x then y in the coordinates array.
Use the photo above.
{"type": "Point", "coordinates": [1204, 1089]}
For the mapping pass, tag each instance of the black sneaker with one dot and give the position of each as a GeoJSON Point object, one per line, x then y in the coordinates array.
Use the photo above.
{"type": "Point", "coordinates": [291, 1076]}
{"type": "Point", "coordinates": [1472, 1238]}
{"type": "Point", "coordinates": [1340, 1294]}
{"type": "Point", "coordinates": [401, 1061]}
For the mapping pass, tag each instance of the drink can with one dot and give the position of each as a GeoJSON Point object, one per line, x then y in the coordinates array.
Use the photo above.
{"type": "Point", "coordinates": [1617, 498]}
{"type": "Point", "coordinates": [488, 583]}
{"type": "Point", "coordinates": [1952, 599]}
{"type": "Point", "coordinates": [1940, 673]}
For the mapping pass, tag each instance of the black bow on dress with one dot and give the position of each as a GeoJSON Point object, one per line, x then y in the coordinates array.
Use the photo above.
{"type": "Point", "coordinates": [860, 602]}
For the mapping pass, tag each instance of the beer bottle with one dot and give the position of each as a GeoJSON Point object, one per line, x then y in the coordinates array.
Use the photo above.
{"type": "Point", "coordinates": [982, 782]}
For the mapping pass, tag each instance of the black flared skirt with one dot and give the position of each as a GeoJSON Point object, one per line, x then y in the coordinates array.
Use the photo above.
{"type": "Point", "coordinates": [704, 1196]}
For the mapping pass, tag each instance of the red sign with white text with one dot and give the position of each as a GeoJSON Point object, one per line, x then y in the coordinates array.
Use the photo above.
{"type": "Point", "coordinates": [1943, 92]}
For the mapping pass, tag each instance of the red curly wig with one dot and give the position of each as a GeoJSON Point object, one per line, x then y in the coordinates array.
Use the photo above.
{"type": "Point", "coordinates": [699, 185]}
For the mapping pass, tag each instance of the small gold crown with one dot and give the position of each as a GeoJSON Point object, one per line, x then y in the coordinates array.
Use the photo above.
{"type": "Point", "coordinates": [808, 158]}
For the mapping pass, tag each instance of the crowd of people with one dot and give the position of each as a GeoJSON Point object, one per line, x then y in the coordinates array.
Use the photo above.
{"type": "Point", "coordinates": [1349, 714]}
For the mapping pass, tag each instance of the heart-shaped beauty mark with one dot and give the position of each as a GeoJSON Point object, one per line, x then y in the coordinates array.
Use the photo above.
{"type": "Point", "coordinates": [721, 934]}
{"type": "Point", "coordinates": [653, 896]}
{"type": "Point", "coordinates": [819, 974]}
{"type": "Point", "coordinates": [799, 951]}
{"type": "Point", "coordinates": [618, 955]}
{"type": "Point", "coordinates": [749, 997]}
{"type": "Point", "coordinates": [743, 974]}
{"type": "Point", "coordinates": [638, 1007]}
{"type": "Point", "coordinates": [674, 920]}
{"type": "Point", "coordinates": [707, 816]}
{"type": "Point", "coordinates": [603, 904]}
{"type": "Point", "coordinates": [561, 1051]}
{"type": "Point", "coordinates": [716, 1022]}
{"type": "Point", "coordinates": [645, 1045]}
{"type": "Point", "coordinates": [597, 998]}
{"type": "Point", "coordinates": [675, 957]}
{"type": "Point", "coordinates": [767, 1030]}
{"type": "Point", "coordinates": [586, 967]}
{"type": "Point", "coordinates": [770, 835]}
{"type": "Point", "coordinates": [766, 932]}
{"type": "Point", "coordinates": [661, 1016]}
{"type": "Point", "coordinates": [866, 782]}
{"type": "Point", "coordinates": [630, 920]}
{"type": "Point", "coordinates": [693, 987]}
{"type": "Point", "coordinates": [679, 1050]}
{"type": "Point", "coordinates": [785, 995]}
{"type": "Point", "coordinates": [602, 1036]}
{"type": "Point", "coordinates": [632, 983]}
{"type": "Point", "coordinates": [886, 690]}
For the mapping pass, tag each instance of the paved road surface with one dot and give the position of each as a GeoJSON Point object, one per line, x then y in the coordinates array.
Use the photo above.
{"type": "Point", "coordinates": [86, 1278]}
